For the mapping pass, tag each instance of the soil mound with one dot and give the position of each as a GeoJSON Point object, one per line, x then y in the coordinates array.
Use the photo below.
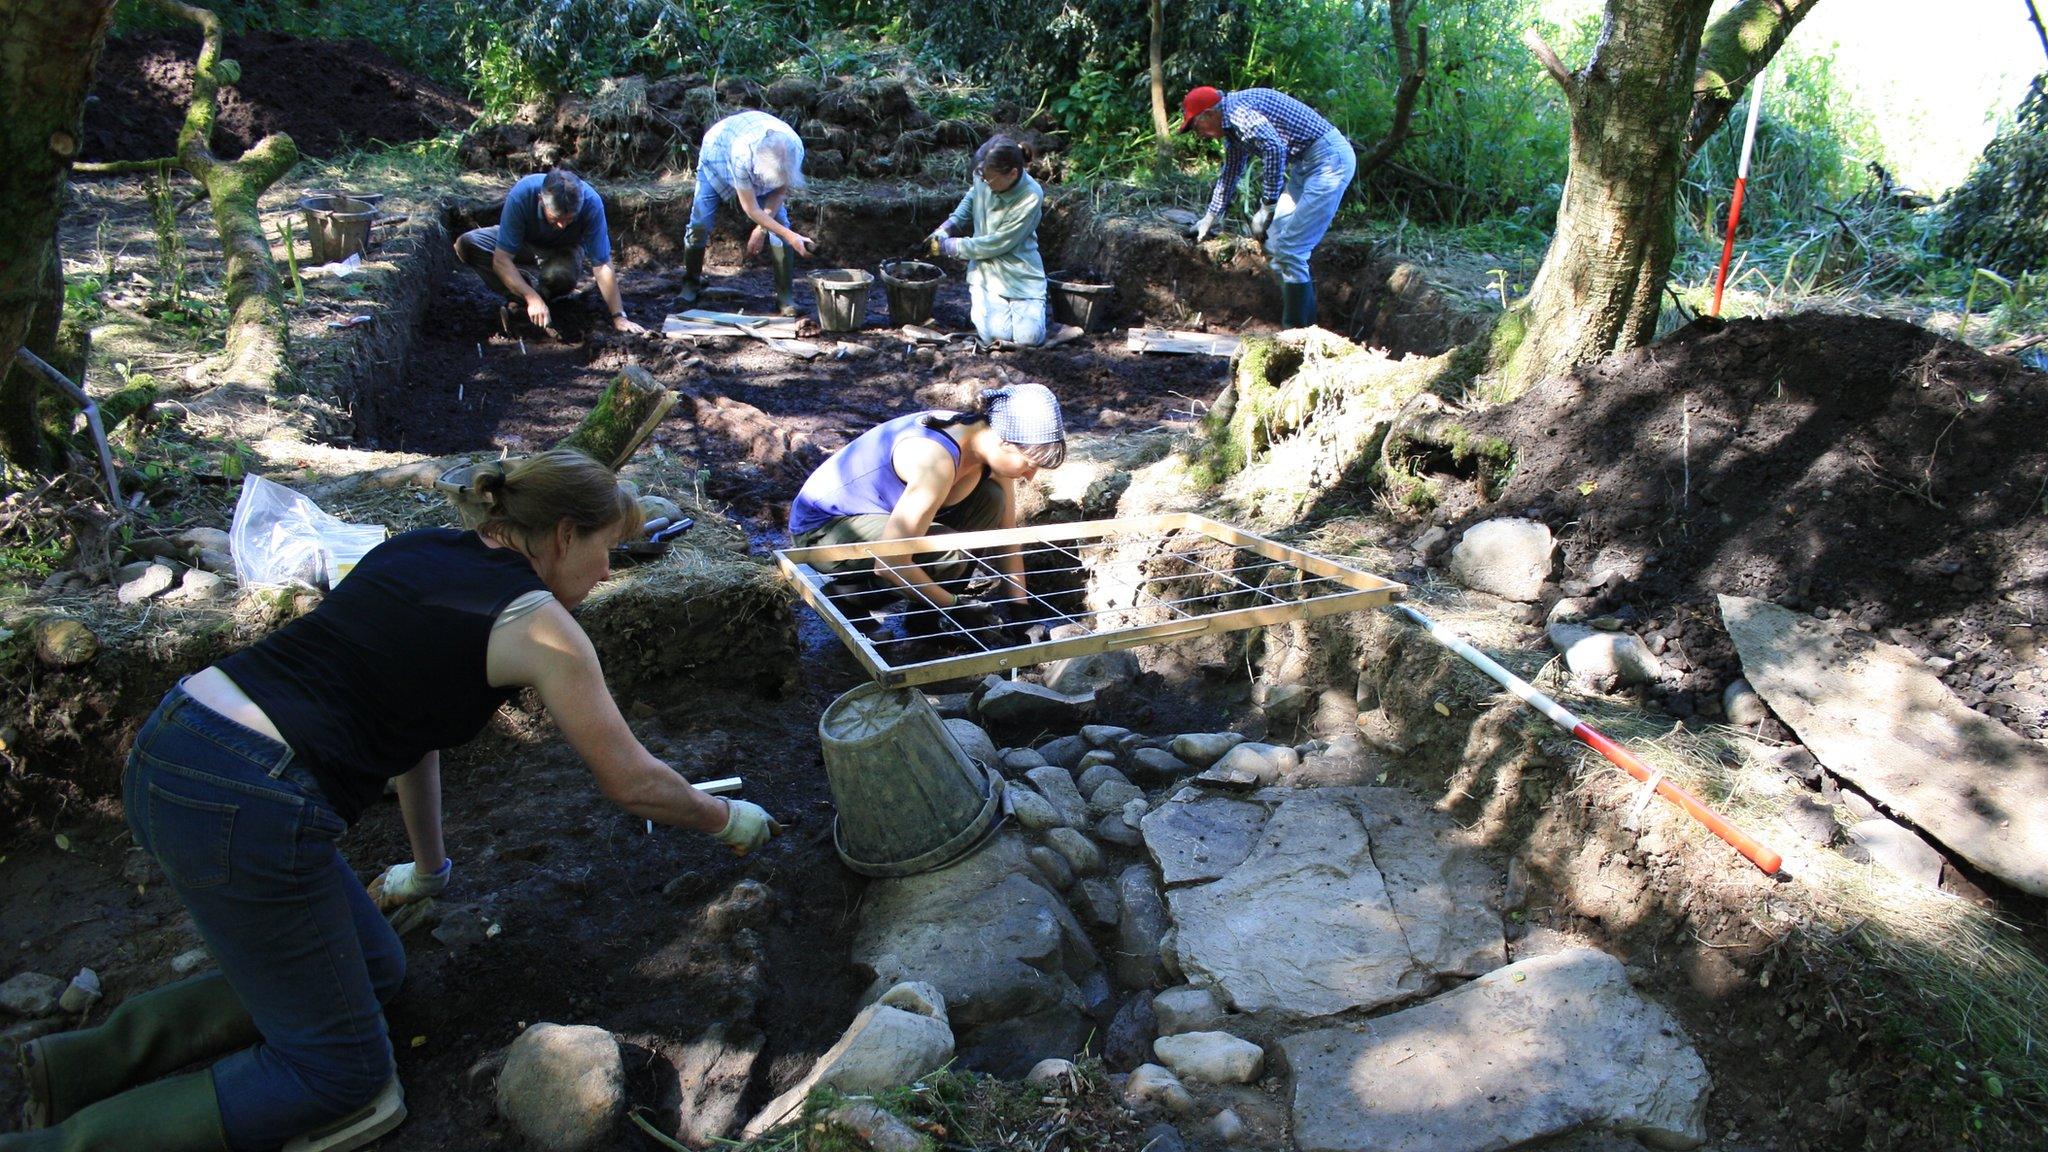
{"type": "Point", "coordinates": [1838, 464]}
{"type": "Point", "coordinates": [327, 94]}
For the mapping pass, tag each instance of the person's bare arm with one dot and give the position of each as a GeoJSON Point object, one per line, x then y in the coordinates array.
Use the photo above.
{"type": "Point", "coordinates": [1012, 559]}
{"type": "Point", "coordinates": [419, 806]}
{"type": "Point", "coordinates": [927, 470]}
{"type": "Point", "coordinates": [547, 650]}
{"type": "Point", "coordinates": [508, 274]}
{"type": "Point", "coordinates": [608, 287]}
{"type": "Point", "coordinates": [762, 213]}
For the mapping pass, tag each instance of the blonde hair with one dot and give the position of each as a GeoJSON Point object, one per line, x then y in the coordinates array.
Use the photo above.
{"type": "Point", "coordinates": [525, 499]}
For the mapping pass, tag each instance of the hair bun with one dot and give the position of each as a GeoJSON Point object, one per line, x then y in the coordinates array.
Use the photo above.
{"type": "Point", "coordinates": [488, 484]}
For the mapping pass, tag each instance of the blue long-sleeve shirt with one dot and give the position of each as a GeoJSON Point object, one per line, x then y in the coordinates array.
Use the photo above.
{"type": "Point", "coordinates": [1276, 127]}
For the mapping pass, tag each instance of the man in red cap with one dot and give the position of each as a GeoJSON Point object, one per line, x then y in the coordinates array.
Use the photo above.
{"type": "Point", "coordinates": [1306, 165]}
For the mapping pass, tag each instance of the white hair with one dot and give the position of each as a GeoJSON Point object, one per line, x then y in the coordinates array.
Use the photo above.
{"type": "Point", "coordinates": [779, 161]}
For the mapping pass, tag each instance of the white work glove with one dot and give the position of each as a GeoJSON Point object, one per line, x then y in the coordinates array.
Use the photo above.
{"type": "Point", "coordinates": [747, 827]}
{"type": "Point", "coordinates": [1204, 226]}
{"type": "Point", "coordinates": [403, 884]}
{"type": "Point", "coordinates": [1262, 220]}
{"type": "Point", "coordinates": [948, 246]}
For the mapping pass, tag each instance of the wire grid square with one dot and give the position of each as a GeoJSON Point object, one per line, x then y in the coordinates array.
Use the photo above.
{"type": "Point", "coordinates": [1156, 579]}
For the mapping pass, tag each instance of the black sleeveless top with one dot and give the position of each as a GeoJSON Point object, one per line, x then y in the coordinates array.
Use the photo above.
{"type": "Point", "coordinates": [390, 666]}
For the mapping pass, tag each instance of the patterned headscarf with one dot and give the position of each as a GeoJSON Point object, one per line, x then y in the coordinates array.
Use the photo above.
{"type": "Point", "coordinates": [1025, 414]}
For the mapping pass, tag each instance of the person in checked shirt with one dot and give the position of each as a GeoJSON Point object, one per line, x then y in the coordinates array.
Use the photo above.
{"type": "Point", "coordinates": [1306, 164]}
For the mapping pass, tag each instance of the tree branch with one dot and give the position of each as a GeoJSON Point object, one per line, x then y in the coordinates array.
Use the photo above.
{"type": "Point", "coordinates": [1736, 47]}
{"type": "Point", "coordinates": [1414, 65]}
{"type": "Point", "coordinates": [123, 167]}
{"type": "Point", "coordinates": [1551, 64]}
{"type": "Point", "coordinates": [2034, 14]}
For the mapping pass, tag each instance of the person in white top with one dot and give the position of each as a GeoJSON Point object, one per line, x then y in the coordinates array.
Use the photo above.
{"type": "Point", "coordinates": [754, 159]}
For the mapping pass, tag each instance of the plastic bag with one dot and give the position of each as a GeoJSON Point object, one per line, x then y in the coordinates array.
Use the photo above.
{"type": "Point", "coordinates": [281, 537]}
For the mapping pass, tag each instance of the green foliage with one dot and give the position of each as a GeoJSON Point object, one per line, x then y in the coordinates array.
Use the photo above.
{"type": "Point", "coordinates": [1810, 152]}
{"type": "Point", "coordinates": [82, 299]}
{"type": "Point", "coordinates": [1998, 218]}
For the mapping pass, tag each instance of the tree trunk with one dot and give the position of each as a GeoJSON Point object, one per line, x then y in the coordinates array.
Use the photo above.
{"type": "Point", "coordinates": [623, 417]}
{"type": "Point", "coordinates": [47, 52]}
{"type": "Point", "coordinates": [1738, 45]}
{"type": "Point", "coordinates": [257, 354]}
{"type": "Point", "coordinates": [1599, 288]}
{"type": "Point", "coordinates": [1161, 126]}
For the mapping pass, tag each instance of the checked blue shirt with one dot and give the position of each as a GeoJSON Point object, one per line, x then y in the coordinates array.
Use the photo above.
{"type": "Point", "coordinates": [1273, 124]}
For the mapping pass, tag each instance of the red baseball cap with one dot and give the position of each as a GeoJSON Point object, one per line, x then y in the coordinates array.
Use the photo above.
{"type": "Point", "coordinates": [1198, 101]}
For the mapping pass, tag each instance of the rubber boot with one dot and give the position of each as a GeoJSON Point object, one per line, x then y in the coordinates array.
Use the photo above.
{"type": "Point", "coordinates": [694, 243]}
{"type": "Point", "coordinates": [146, 1037]}
{"type": "Point", "coordinates": [181, 1114]}
{"type": "Point", "coordinates": [784, 262]}
{"type": "Point", "coordinates": [1297, 304]}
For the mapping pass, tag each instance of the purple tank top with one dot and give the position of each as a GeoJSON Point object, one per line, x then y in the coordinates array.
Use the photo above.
{"type": "Point", "coordinates": [860, 479]}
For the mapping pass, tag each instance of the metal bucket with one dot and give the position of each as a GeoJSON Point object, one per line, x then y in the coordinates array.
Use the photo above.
{"type": "Point", "coordinates": [1080, 303]}
{"type": "Point", "coordinates": [912, 286]}
{"type": "Point", "coordinates": [842, 296]}
{"type": "Point", "coordinates": [909, 799]}
{"type": "Point", "coordinates": [337, 226]}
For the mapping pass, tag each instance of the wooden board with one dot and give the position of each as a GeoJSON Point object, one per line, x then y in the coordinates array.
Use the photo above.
{"type": "Point", "coordinates": [1338, 589]}
{"type": "Point", "coordinates": [1875, 715]}
{"type": "Point", "coordinates": [1183, 343]}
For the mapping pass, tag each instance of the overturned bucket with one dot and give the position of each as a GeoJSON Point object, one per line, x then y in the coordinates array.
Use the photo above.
{"type": "Point", "coordinates": [909, 799]}
{"type": "Point", "coordinates": [842, 298]}
{"type": "Point", "coordinates": [337, 225]}
{"type": "Point", "coordinates": [912, 287]}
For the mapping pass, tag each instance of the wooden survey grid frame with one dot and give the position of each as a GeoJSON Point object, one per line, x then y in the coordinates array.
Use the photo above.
{"type": "Point", "coordinates": [1360, 590]}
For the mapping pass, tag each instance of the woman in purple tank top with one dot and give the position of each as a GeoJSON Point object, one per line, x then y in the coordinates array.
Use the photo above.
{"type": "Point", "coordinates": [930, 473]}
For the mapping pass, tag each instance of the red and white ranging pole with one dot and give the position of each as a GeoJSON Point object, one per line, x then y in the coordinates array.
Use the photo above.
{"type": "Point", "coordinates": [1756, 103]}
{"type": "Point", "coordinates": [1752, 849]}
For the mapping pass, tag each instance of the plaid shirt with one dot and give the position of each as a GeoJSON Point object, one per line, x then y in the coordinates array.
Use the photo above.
{"type": "Point", "coordinates": [1276, 125]}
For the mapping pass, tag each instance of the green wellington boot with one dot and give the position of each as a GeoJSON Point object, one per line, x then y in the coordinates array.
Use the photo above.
{"type": "Point", "coordinates": [146, 1037]}
{"type": "Point", "coordinates": [181, 1114]}
{"type": "Point", "coordinates": [694, 243]}
{"type": "Point", "coordinates": [1297, 304]}
{"type": "Point", "coordinates": [784, 262]}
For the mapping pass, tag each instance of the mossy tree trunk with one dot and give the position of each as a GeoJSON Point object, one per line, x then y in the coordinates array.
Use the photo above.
{"type": "Point", "coordinates": [47, 52]}
{"type": "Point", "coordinates": [623, 417]}
{"type": "Point", "coordinates": [1659, 81]}
{"type": "Point", "coordinates": [258, 353]}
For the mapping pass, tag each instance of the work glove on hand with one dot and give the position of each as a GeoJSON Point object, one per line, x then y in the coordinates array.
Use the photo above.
{"type": "Point", "coordinates": [1203, 227]}
{"type": "Point", "coordinates": [403, 884]}
{"type": "Point", "coordinates": [937, 238]}
{"type": "Point", "coordinates": [949, 246]}
{"type": "Point", "coordinates": [1262, 220]}
{"type": "Point", "coordinates": [747, 827]}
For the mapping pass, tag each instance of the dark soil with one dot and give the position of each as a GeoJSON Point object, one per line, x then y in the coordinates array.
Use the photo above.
{"type": "Point", "coordinates": [1843, 465]}
{"type": "Point", "coordinates": [328, 95]}
{"type": "Point", "coordinates": [756, 419]}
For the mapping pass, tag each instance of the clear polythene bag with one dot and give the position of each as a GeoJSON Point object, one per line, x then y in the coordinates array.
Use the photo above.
{"type": "Point", "coordinates": [281, 537]}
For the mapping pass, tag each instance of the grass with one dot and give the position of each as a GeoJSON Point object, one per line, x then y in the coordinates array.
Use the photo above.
{"type": "Point", "coordinates": [1953, 980]}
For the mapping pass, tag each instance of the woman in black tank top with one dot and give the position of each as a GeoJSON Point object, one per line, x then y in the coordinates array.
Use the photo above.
{"type": "Point", "coordinates": [246, 775]}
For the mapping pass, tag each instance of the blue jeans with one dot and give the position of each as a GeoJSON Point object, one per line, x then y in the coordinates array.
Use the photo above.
{"type": "Point", "coordinates": [1315, 188]}
{"type": "Point", "coordinates": [248, 844]}
{"type": "Point", "coordinates": [1001, 318]}
{"type": "Point", "coordinates": [704, 210]}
